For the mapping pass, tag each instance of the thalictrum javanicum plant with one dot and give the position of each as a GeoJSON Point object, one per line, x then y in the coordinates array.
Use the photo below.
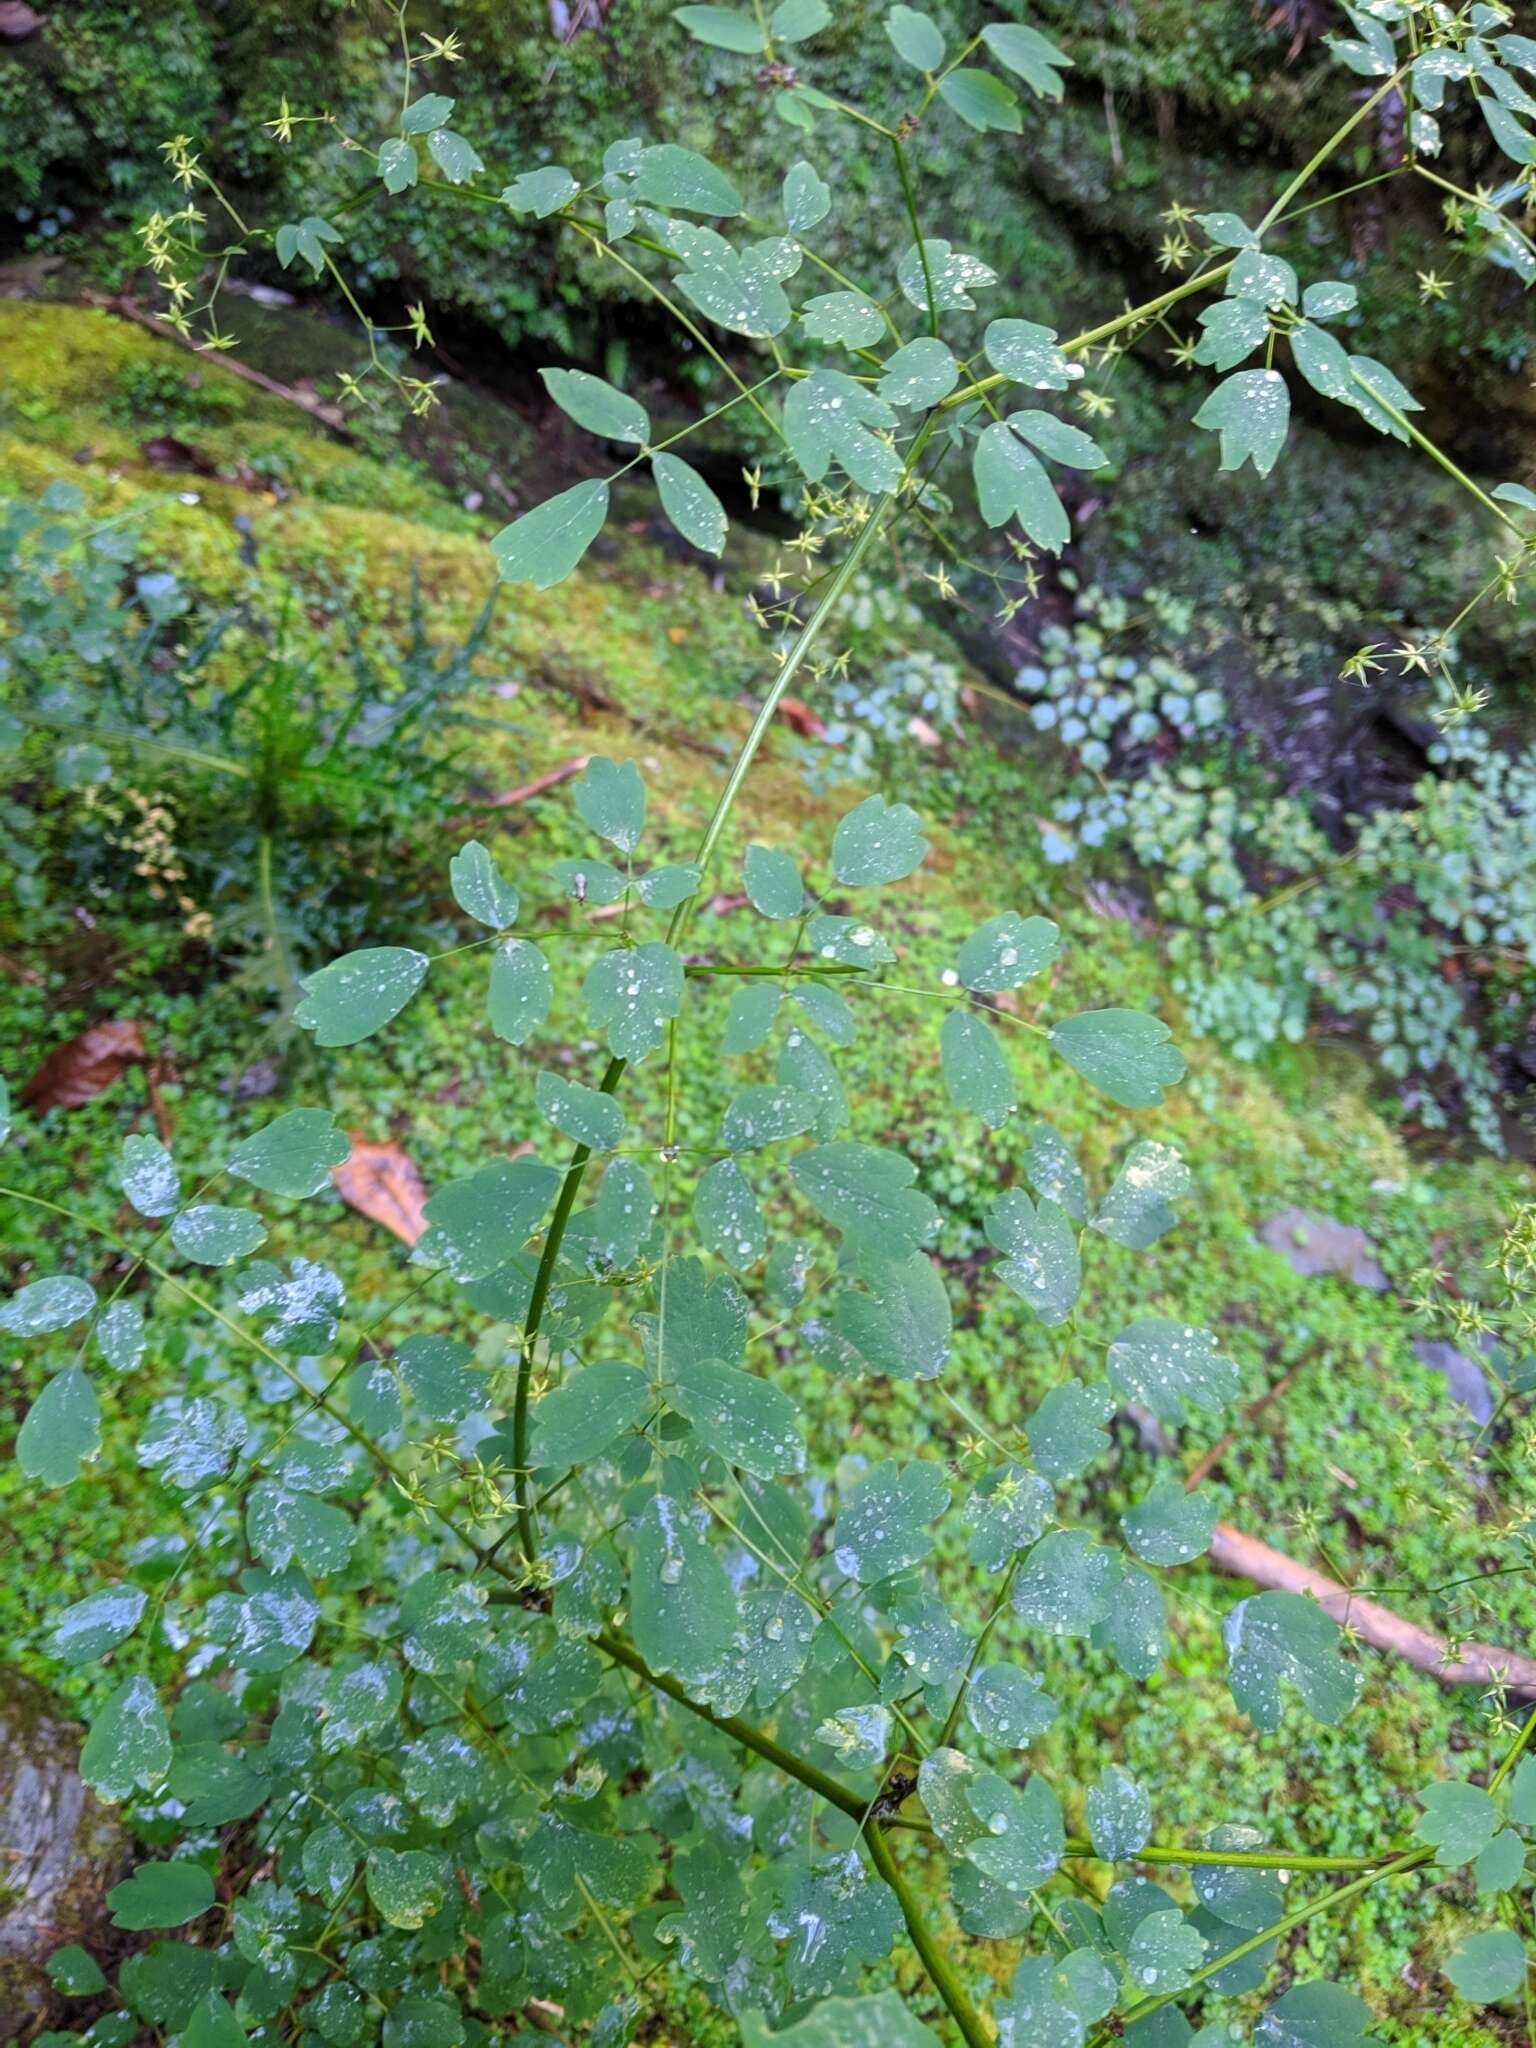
{"type": "Point", "coordinates": [526, 1640]}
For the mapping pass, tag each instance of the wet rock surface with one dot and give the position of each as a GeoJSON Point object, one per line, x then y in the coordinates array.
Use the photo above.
{"type": "Point", "coordinates": [62, 1849]}
{"type": "Point", "coordinates": [1321, 1244]}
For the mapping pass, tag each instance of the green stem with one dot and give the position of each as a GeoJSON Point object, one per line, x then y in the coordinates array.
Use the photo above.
{"type": "Point", "coordinates": [1316, 161]}
{"type": "Point", "coordinates": [910, 197]}
{"type": "Point", "coordinates": [1422, 440]}
{"type": "Point", "coordinates": [934, 1959]}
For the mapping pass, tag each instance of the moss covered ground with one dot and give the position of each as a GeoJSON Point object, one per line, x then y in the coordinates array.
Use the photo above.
{"type": "Point", "coordinates": [1365, 1462]}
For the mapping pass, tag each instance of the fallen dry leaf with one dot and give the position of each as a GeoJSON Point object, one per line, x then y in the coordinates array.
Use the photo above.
{"type": "Point", "coordinates": [78, 1072]}
{"type": "Point", "coordinates": [800, 718]}
{"type": "Point", "coordinates": [18, 20]}
{"type": "Point", "coordinates": [381, 1183]}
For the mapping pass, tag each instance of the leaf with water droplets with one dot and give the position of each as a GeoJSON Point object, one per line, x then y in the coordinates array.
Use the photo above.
{"type": "Point", "coordinates": [359, 993]}
{"type": "Point", "coordinates": [683, 1612]}
{"type": "Point", "coordinates": [293, 1155]}
{"type": "Point", "coordinates": [1125, 1053]}
{"type": "Point", "coordinates": [480, 889]}
{"type": "Point", "coordinates": [976, 1070]}
{"type": "Point", "coordinates": [884, 1525]}
{"type": "Point", "coordinates": [728, 1216]}
{"type": "Point", "coordinates": [1023, 1839]}
{"type": "Point", "coordinates": [689, 503]}
{"type": "Point", "coordinates": [859, 1736]}
{"type": "Point", "coordinates": [1007, 1706]}
{"type": "Point", "coordinates": [955, 276]}
{"type": "Point", "coordinates": [62, 1430]}
{"type": "Point", "coordinates": [1042, 1263]}
{"type": "Point", "coordinates": [1165, 1365]}
{"type": "Point", "coordinates": [807, 197]}
{"type": "Point", "coordinates": [918, 374]}
{"type": "Point", "coordinates": [866, 1192]}
{"type": "Point", "coordinates": [1275, 1637]}
{"type": "Point", "coordinates": [766, 1115]}
{"type": "Point", "coordinates": [1135, 1628]}
{"type": "Point", "coordinates": [1168, 1525]}
{"type": "Point", "coordinates": [1054, 1172]}
{"type": "Point", "coordinates": [1252, 414]}
{"type": "Point", "coordinates": [746, 1419]}
{"type": "Point", "coordinates": [847, 318]}
{"type": "Point", "coordinates": [480, 1222]}
{"type": "Point", "coordinates": [1065, 1583]}
{"type": "Point", "coordinates": [1119, 1815]}
{"type": "Point", "coordinates": [772, 882]}
{"type": "Point", "coordinates": [631, 993]}
{"type": "Point", "coordinates": [212, 1235]}
{"type": "Point", "coordinates": [97, 1624]}
{"type": "Point", "coordinates": [407, 1885]}
{"type": "Point", "coordinates": [1006, 1514]}
{"type": "Point", "coordinates": [833, 1919]}
{"type": "Point", "coordinates": [900, 1322]}
{"type": "Point", "coordinates": [520, 992]}
{"type": "Point", "coordinates": [588, 1116]}
{"type": "Point", "coordinates": [148, 1176]}
{"type": "Point", "coordinates": [849, 941]}
{"type": "Point", "coordinates": [750, 1018]}
{"type": "Point", "coordinates": [826, 1010]}
{"type": "Point", "coordinates": [46, 1305]}
{"type": "Point", "coordinates": [1007, 951]}
{"type": "Point", "coordinates": [1011, 483]}
{"type": "Point", "coordinates": [598, 406]}
{"type": "Point", "coordinates": [1316, 2015]}
{"type": "Point", "coordinates": [1164, 1953]}
{"type": "Point", "coordinates": [1490, 1966]}
{"type": "Point", "coordinates": [1066, 1432]}
{"type": "Point", "coordinates": [1136, 1211]}
{"type": "Point", "coordinates": [545, 545]}
{"type": "Point", "coordinates": [120, 1335]}
{"type": "Point", "coordinates": [828, 417]}
{"type": "Point", "coordinates": [803, 1065]}
{"type": "Point", "coordinates": [282, 1525]}
{"type": "Point", "coordinates": [129, 1744]}
{"type": "Point", "coordinates": [191, 1442]}
{"type": "Point", "coordinates": [580, 1420]}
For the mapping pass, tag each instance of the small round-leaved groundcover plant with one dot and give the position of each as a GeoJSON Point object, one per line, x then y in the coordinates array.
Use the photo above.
{"type": "Point", "coordinates": [532, 1666]}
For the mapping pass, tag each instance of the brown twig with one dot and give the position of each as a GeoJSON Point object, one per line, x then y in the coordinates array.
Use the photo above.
{"type": "Point", "coordinates": [526, 791]}
{"type": "Point", "coordinates": [1213, 1457]}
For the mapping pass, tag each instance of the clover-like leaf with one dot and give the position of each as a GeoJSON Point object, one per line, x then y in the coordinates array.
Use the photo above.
{"type": "Point", "coordinates": [1119, 1815]}
{"type": "Point", "coordinates": [884, 1525]}
{"type": "Point", "coordinates": [1275, 1637]}
{"type": "Point", "coordinates": [1168, 1525]}
{"type": "Point", "coordinates": [1165, 1365]}
{"type": "Point", "coordinates": [1124, 1053]}
{"type": "Point", "coordinates": [631, 993]}
{"type": "Point", "coordinates": [827, 418]}
{"type": "Point", "coordinates": [480, 889]}
{"type": "Point", "coordinates": [159, 1895]}
{"type": "Point", "coordinates": [866, 1192]}
{"type": "Point", "coordinates": [294, 1155]}
{"type": "Point", "coordinates": [1252, 413]}
{"type": "Point", "coordinates": [1458, 1820]}
{"type": "Point", "coordinates": [1490, 1966]}
{"type": "Point", "coordinates": [748, 1420]}
{"type": "Point", "coordinates": [359, 993]}
{"type": "Point", "coordinates": [545, 545]}
{"type": "Point", "coordinates": [62, 1429]}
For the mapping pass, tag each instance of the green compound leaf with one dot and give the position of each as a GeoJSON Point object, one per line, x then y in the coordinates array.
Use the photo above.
{"type": "Point", "coordinates": [1042, 1263]}
{"type": "Point", "coordinates": [844, 317]}
{"type": "Point", "coordinates": [727, 1214]}
{"type": "Point", "coordinates": [919, 374]}
{"type": "Point", "coordinates": [545, 545]}
{"type": "Point", "coordinates": [753, 1008]}
{"type": "Point", "coordinates": [690, 504]}
{"type": "Point", "coordinates": [1277, 1637]}
{"type": "Point", "coordinates": [1163, 1953]}
{"type": "Point", "coordinates": [148, 1176]}
{"type": "Point", "coordinates": [1006, 1512]}
{"type": "Point", "coordinates": [1136, 1211]}
{"type": "Point", "coordinates": [1234, 328]}
{"type": "Point", "coordinates": [747, 1420]}
{"type": "Point", "coordinates": [828, 417]}
{"type": "Point", "coordinates": [46, 1305]}
{"type": "Point", "coordinates": [1252, 414]}
{"type": "Point", "coordinates": [1316, 2015]}
{"type": "Point", "coordinates": [1500, 1865]}
{"type": "Point", "coordinates": [1488, 1967]}
{"type": "Point", "coordinates": [976, 1070]}
{"type": "Point", "coordinates": [1458, 1820]}
{"type": "Point", "coordinates": [793, 20]}
{"type": "Point", "coordinates": [1053, 1171]}
{"type": "Point", "coordinates": [1007, 951]}
{"type": "Point", "coordinates": [399, 165]}
{"type": "Point", "coordinates": [129, 1744]}
{"type": "Point", "coordinates": [1065, 1583]}
{"type": "Point", "coordinates": [1028, 55]}
{"type": "Point", "coordinates": [62, 1430]}
{"type": "Point", "coordinates": [598, 406]}
{"type": "Point", "coordinates": [610, 798]}
{"type": "Point", "coordinates": [866, 1192]}
{"type": "Point", "coordinates": [211, 1235]}
{"type": "Point", "coordinates": [1126, 1054]}
{"type": "Point", "coordinates": [772, 882]}
{"type": "Point", "coordinates": [1008, 1706]}
{"type": "Point", "coordinates": [293, 1155]}
{"type": "Point", "coordinates": [739, 293]}
{"type": "Point", "coordinates": [848, 941]}
{"type": "Point", "coordinates": [120, 1335]}
{"type": "Point", "coordinates": [1066, 1432]}
{"type": "Point", "coordinates": [860, 1736]}
{"type": "Point", "coordinates": [97, 1624]}
{"type": "Point", "coordinates": [407, 1885]}
{"type": "Point", "coordinates": [683, 1612]}
{"type": "Point", "coordinates": [667, 175]}
{"type": "Point", "coordinates": [722, 27]}
{"type": "Point", "coordinates": [582, 1419]}
{"type": "Point", "coordinates": [1267, 281]}
{"type": "Point", "coordinates": [807, 197]}
{"type": "Point", "coordinates": [1058, 439]}
{"type": "Point", "coordinates": [306, 238]}
{"type": "Point", "coordinates": [161, 1895]}
{"type": "Point", "coordinates": [902, 1325]}
{"type": "Point", "coordinates": [665, 887]}
{"type": "Point", "coordinates": [1119, 1812]}
{"type": "Point", "coordinates": [482, 1221]}
{"type": "Point", "coordinates": [520, 992]}
{"type": "Point", "coordinates": [432, 110]}
{"type": "Point", "coordinates": [480, 889]}
{"type": "Point", "coordinates": [982, 101]}
{"type": "Point", "coordinates": [359, 993]}
{"type": "Point", "coordinates": [856, 1919]}
{"type": "Point", "coordinates": [585, 1115]}
{"type": "Point", "coordinates": [955, 276]}
{"type": "Point", "coordinates": [1169, 1526]}
{"type": "Point", "coordinates": [1164, 1365]}
{"type": "Point", "coordinates": [541, 192]}
{"type": "Point", "coordinates": [1029, 354]}
{"type": "Point", "coordinates": [1012, 484]}
{"type": "Point", "coordinates": [282, 1526]}
{"type": "Point", "coordinates": [74, 1974]}
{"type": "Point", "coordinates": [455, 156]}
{"type": "Point", "coordinates": [1023, 1839]}
{"type": "Point", "coordinates": [884, 1526]}
{"type": "Point", "coordinates": [915, 38]}
{"type": "Point", "coordinates": [631, 993]}
{"type": "Point", "coordinates": [766, 1115]}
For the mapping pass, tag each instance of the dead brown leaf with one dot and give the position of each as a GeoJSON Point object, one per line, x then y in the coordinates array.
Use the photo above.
{"type": "Point", "coordinates": [380, 1182]}
{"type": "Point", "coordinates": [800, 718]}
{"type": "Point", "coordinates": [78, 1072]}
